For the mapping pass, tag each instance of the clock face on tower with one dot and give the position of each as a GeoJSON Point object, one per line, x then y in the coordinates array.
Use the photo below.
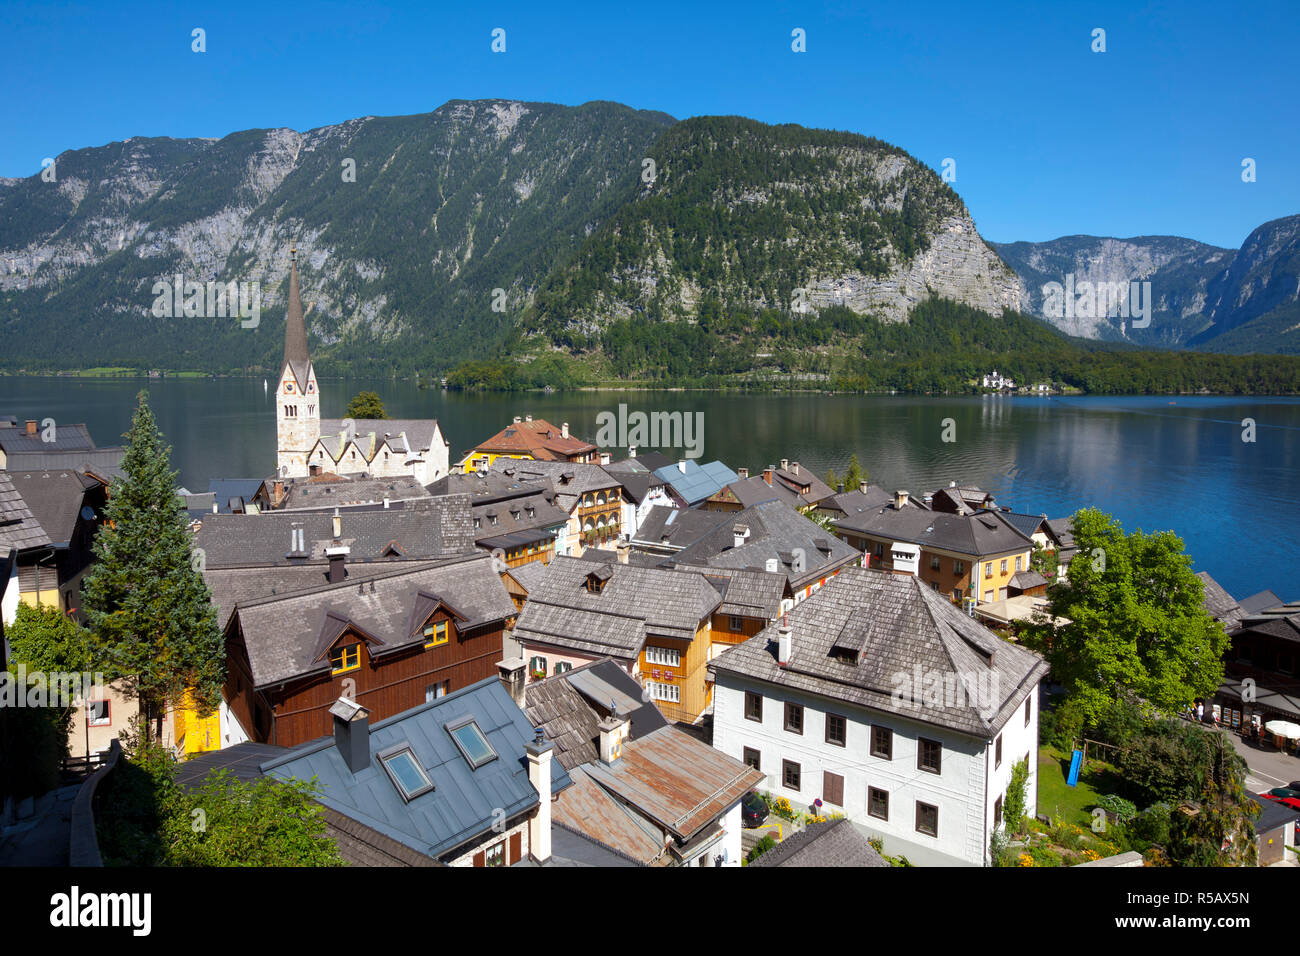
{"type": "Point", "coordinates": [288, 387]}
{"type": "Point", "coordinates": [311, 387]}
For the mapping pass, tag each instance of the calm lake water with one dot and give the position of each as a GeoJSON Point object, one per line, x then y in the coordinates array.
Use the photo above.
{"type": "Point", "coordinates": [1155, 463]}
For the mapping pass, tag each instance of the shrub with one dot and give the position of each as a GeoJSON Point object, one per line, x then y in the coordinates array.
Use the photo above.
{"type": "Point", "coordinates": [761, 847]}
{"type": "Point", "coordinates": [1117, 808]}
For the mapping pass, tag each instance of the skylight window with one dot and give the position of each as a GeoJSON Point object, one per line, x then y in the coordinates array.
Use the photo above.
{"type": "Point", "coordinates": [406, 773]}
{"type": "Point", "coordinates": [472, 743]}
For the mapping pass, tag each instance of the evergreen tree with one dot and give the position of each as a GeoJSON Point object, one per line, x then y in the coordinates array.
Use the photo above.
{"type": "Point", "coordinates": [148, 607]}
{"type": "Point", "coordinates": [855, 474]}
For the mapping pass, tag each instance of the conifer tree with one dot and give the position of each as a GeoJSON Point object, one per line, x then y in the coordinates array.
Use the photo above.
{"type": "Point", "coordinates": [147, 605]}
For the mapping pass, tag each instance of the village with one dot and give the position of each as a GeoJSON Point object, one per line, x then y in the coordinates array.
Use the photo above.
{"type": "Point", "coordinates": [530, 653]}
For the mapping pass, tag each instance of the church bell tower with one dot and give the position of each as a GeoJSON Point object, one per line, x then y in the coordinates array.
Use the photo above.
{"type": "Point", "coordinates": [297, 397]}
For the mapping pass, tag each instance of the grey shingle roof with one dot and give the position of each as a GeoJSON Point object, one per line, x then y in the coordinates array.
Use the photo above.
{"type": "Point", "coordinates": [570, 480]}
{"type": "Point", "coordinates": [1221, 605]}
{"type": "Point", "coordinates": [804, 477]}
{"type": "Point", "coordinates": [832, 843]}
{"type": "Point", "coordinates": [440, 527]}
{"type": "Point", "coordinates": [1026, 580]}
{"type": "Point", "coordinates": [776, 530]}
{"type": "Point", "coordinates": [978, 534]}
{"type": "Point", "coordinates": [904, 629]}
{"type": "Point", "coordinates": [744, 592]}
{"type": "Point", "coordinates": [244, 761]}
{"type": "Point", "coordinates": [282, 633]}
{"type": "Point", "coordinates": [855, 501]}
{"type": "Point", "coordinates": [513, 516]}
{"type": "Point", "coordinates": [463, 802]}
{"type": "Point", "coordinates": [753, 491]}
{"type": "Point", "coordinates": [19, 528]}
{"type": "Point", "coordinates": [484, 486]}
{"type": "Point", "coordinates": [420, 432]}
{"type": "Point", "coordinates": [55, 499]}
{"type": "Point", "coordinates": [67, 438]}
{"type": "Point", "coordinates": [1259, 602]}
{"type": "Point", "coordinates": [678, 527]}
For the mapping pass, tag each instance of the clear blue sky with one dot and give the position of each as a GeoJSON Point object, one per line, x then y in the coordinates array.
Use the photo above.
{"type": "Point", "coordinates": [1049, 138]}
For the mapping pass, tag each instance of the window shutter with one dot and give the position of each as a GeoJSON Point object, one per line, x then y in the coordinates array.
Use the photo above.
{"type": "Point", "coordinates": [833, 788]}
{"type": "Point", "coordinates": [516, 842]}
{"type": "Point", "coordinates": [480, 858]}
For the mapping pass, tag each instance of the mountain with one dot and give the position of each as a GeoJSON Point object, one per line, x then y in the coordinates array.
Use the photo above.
{"type": "Point", "coordinates": [400, 265]}
{"type": "Point", "coordinates": [1202, 296]}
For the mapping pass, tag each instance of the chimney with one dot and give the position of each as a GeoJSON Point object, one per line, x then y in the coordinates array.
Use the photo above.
{"type": "Point", "coordinates": [511, 673]}
{"type": "Point", "coordinates": [631, 451]}
{"type": "Point", "coordinates": [900, 500]}
{"type": "Point", "coordinates": [297, 549]}
{"type": "Point", "coordinates": [539, 752]}
{"type": "Point", "coordinates": [785, 464]}
{"type": "Point", "coordinates": [516, 421]}
{"type": "Point", "coordinates": [352, 733]}
{"type": "Point", "coordinates": [528, 418]}
{"type": "Point", "coordinates": [839, 487]}
{"type": "Point", "coordinates": [31, 427]}
{"type": "Point", "coordinates": [613, 730]}
{"type": "Point", "coordinates": [767, 473]}
{"type": "Point", "coordinates": [385, 502]}
{"type": "Point", "coordinates": [739, 534]}
{"type": "Point", "coordinates": [783, 643]}
{"type": "Point", "coordinates": [313, 470]}
{"type": "Point", "coordinates": [795, 468]}
{"type": "Point", "coordinates": [771, 566]}
{"type": "Point", "coordinates": [336, 522]}
{"type": "Point", "coordinates": [742, 472]}
{"type": "Point", "coordinates": [564, 429]}
{"type": "Point", "coordinates": [862, 486]}
{"type": "Point", "coordinates": [604, 458]}
{"type": "Point", "coordinates": [214, 508]}
{"type": "Point", "coordinates": [681, 466]}
{"type": "Point", "coordinates": [277, 491]}
{"type": "Point", "coordinates": [337, 556]}
{"type": "Point", "coordinates": [622, 549]}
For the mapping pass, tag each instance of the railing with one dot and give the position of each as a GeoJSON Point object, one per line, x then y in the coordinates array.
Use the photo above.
{"type": "Point", "coordinates": [84, 843]}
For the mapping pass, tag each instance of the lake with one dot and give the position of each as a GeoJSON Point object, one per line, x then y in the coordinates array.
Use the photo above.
{"type": "Point", "coordinates": [1154, 463]}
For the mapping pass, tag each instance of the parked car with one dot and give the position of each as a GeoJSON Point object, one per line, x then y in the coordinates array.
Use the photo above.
{"type": "Point", "coordinates": [1292, 802]}
{"type": "Point", "coordinates": [753, 810]}
{"type": "Point", "coordinates": [1289, 791]}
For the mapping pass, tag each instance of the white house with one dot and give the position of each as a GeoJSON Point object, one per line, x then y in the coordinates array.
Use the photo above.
{"type": "Point", "coordinates": [882, 699]}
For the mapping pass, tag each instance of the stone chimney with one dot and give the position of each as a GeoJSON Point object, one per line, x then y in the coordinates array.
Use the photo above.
{"type": "Point", "coordinates": [631, 451]}
{"type": "Point", "coordinates": [767, 473]}
{"type": "Point", "coordinates": [784, 643]}
{"type": "Point", "coordinates": [313, 469]}
{"type": "Point", "coordinates": [336, 524]}
{"type": "Point", "coordinates": [539, 752]}
{"type": "Point", "coordinates": [742, 472]}
{"type": "Point", "coordinates": [517, 420]}
{"type": "Point", "coordinates": [564, 429]}
{"type": "Point", "coordinates": [739, 535]}
{"type": "Point", "coordinates": [622, 549]}
{"type": "Point", "coordinates": [613, 731]}
{"type": "Point", "coordinates": [338, 557]}
{"type": "Point", "coordinates": [900, 500]}
{"type": "Point", "coordinates": [297, 542]}
{"type": "Point", "coordinates": [785, 464]}
{"type": "Point", "coordinates": [31, 427]}
{"type": "Point", "coordinates": [604, 458]}
{"type": "Point", "coordinates": [862, 486]}
{"type": "Point", "coordinates": [352, 733]}
{"type": "Point", "coordinates": [795, 467]}
{"type": "Point", "coordinates": [512, 674]}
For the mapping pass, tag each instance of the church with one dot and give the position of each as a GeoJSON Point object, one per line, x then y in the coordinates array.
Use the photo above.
{"type": "Point", "coordinates": [308, 445]}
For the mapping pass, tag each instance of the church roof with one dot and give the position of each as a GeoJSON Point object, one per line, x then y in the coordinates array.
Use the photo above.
{"type": "Point", "coordinates": [295, 329]}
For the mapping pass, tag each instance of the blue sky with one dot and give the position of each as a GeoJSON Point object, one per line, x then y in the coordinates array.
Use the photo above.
{"type": "Point", "coordinates": [1049, 138]}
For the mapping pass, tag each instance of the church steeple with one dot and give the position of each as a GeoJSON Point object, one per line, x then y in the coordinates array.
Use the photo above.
{"type": "Point", "coordinates": [295, 327]}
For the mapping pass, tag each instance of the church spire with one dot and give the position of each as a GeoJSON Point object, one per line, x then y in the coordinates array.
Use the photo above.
{"type": "Point", "coordinates": [295, 327]}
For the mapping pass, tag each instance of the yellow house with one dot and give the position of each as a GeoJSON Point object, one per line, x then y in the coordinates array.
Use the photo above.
{"type": "Point", "coordinates": [529, 439]}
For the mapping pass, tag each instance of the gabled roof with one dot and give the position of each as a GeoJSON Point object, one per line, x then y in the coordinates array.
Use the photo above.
{"type": "Point", "coordinates": [1259, 602]}
{"type": "Point", "coordinates": [1218, 603]}
{"type": "Point", "coordinates": [830, 843]}
{"type": "Point", "coordinates": [696, 482]}
{"type": "Point", "coordinates": [754, 491]}
{"type": "Point", "coordinates": [69, 438]}
{"type": "Point", "coordinates": [19, 528]}
{"type": "Point", "coordinates": [55, 499]}
{"type": "Point", "coordinates": [372, 434]}
{"type": "Point", "coordinates": [1024, 580]}
{"type": "Point", "coordinates": [539, 438]}
{"type": "Point", "coordinates": [282, 634]}
{"type": "Point", "coordinates": [677, 528]}
{"type": "Point", "coordinates": [903, 628]}
{"type": "Point", "coordinates": [1028, 525]}
{"type": "Point", "coordinates": [976, 534]}
{"type": "Point", "coordinates": [746, 592]}
{"type": "Point", "coordinates": [464, 802]}
{"type": "Point", "coordinates": [331, 491]}
{"type": "Point", "coordinates": [570, 480]}
{"type": "Point", "coordinates": [776, 530]}
{"type": "Point", "coordinates": [513, 516]}
{"type": "Point", "coordinates": [796, 477]}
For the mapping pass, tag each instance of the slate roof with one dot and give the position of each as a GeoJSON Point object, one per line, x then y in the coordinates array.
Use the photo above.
{"type": "Point", "coordinates": [796, 477]}
{"type": "Point", "coordinates": [638, 481]}
{"type": "Point", "coordinates": [653, 461]}
{"type": "Point", "coordinates": [244, 761]}
{"type": "Point", "coordinates": [776, 530]}
{"type": "Point", "coordinates": [442, 528]}
{"type": "Point", "coordinates": [226, 490]}
{"type": "Point", "coordinates": [539, 438]}
{"type": "Point", "coordinates": [978, 534]}
{"type": "Point", "coordinates": [1259, 602]}
{"type": "Point", "coordinates": [698, 481]}
{"type": "Point", "coordinates": [570, 480]}
{"type": "Point", "coordinates": [284, 635]}
{"type": "Point", "coordinates": [753, 491]}
{"type": "Point", "coordinates": [19, 528]}
{"type": "Point", "coordinates": [487, 486]}
{"type": "Point", "coordinates": [55, 499]}
{"type": "Point", "coordinates": [898, 624]}
{"type": "Point", "coordinates": [463, 802]}
{"type": "Point", "coordinates": [960, 499]}
{"type": "Point", "coordinates": [67, 438]}
{"type": "Point", "coordinates": [634, 603]}
{"type": "Point", "coordinates": [1218, 603]}
{"type": "Point", "coordinates": [855, 501]}
{"type": "Point", "coordinates": [1028, 525]}
{"type": "Point", "coordinates": [331, 490]}
{"type": "Point", "coordinates": [512, 517]}
{"type": "Point", "coordinates": [831, 843]}
{"type": "Point", "coordinates": [677, 528]}
{"type": "Point", "coordinates": [529, 574]}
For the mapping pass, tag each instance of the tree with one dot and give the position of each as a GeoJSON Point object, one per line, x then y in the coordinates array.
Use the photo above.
{"type": "Point", "coordinates": [148, 607]}
{"type": "Point", "coordinates": [855, 474]}
{"type": "Point", "coordinates": [1137, 623]}
{"type": "Point", "coordinates": [46, 639]}
{"type": "Point", "coordinates": [366, 405]}
{"type": "Point", "coordinates": [1013, 809]}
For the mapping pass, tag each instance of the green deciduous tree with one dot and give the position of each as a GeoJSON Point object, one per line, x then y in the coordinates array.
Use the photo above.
{"type": "Point", "coordinates": [366, 405]}
{"type": "Point", "coordinates": [148, 607]}
{"type": "Point", "coordinates": [1013, 808]}
{"type": "Point", "coordinates": [1137, 622]}
{"type": "Point", "coordinates": [46, 639]}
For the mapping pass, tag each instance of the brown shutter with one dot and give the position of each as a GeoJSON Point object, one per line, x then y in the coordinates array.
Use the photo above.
{"type": "Point", "coordinates": [480, 858]}
{"type": "Point", "coordinates": [516, 847]}
{"type": "Point", "coordinates": [833, 788]}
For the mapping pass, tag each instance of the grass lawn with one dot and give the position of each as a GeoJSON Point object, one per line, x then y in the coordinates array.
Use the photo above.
{"type": "Point", "coordinates": [1071, 804]}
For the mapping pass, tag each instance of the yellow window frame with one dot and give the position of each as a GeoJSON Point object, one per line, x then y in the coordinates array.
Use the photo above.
{"type": "Point", "coordinates": [439, 636]}
{"type": "Point", "coordinates": [346, 658]}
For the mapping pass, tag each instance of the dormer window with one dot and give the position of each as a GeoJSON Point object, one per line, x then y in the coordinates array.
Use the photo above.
{"type": "Point", "coordinates": [435, 633]}
{"type": "Point", "coordinates": [345, 658]}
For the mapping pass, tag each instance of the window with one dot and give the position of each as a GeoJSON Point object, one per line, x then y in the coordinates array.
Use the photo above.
{"type": "Point", "coordinates": [98, 713]}
{"type": "Point", "coordinates": [538, 666]}
{"type": "Point", "coordinates": [496, 854]}
{"type": "Point", "coordinates": [474, 747]}
{"type": "Point", "coordinates": [670, 693]}
{"type": "Point", "coordinates": [407, 775]}
{"type": "Point", "coordinates": [956, 595]}
{"type": "Point", "coordinates": [997, 812]}
{"type": "Point", "coordinates": [927, 819]}
{"type": "Point", "coordinates": [790, 775]}
{"type": "Point", "coordinates": [346, 658]}
{"type": "Point", "coordinates": [929, 755]}
{"type": "Point", "coordinates": [958, 567]}
{"type": "Point", "coordinates": [1018, 563]}
{"type": "Point", "coordinates": [997, 752]}
{"type": "Point", "coordinates": [753, 706]}
{"type": "Point", "coordinates": [880, 550]}
{"type": "Point", "coordinates": [735, 624]}
{"type": "Point", "coordinates": [878, 803]}
{"type": "Point", "coordinates": [934, 562]}
{"type": "Point", "coordinates": [562, 666]}
{"type": "Point", "coordinates": [1029, 707]}
{"type": "Point", "coordinates": [434, 691]}
{"type": "Point", "coordinates": [794, 718]}
{"type": "Point", "coordinates": [988, 569]}
{"type": "Point", "coordinates": [753, 758]}
{"type": "Point", "coordinates": [882, 742]}
{"type": "Point", "coordinates": [833, 788]}
{"type": "Point", "coordinates": [836, 730]}
{"type": "Point", "coordinates": [667, 656]}
{"type": "Point", "coordinates": [988, 596]}
{"type": "Point", "coordinates": [435, 634]}
{"type": "Point", "coordinates": [1003, 569]}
